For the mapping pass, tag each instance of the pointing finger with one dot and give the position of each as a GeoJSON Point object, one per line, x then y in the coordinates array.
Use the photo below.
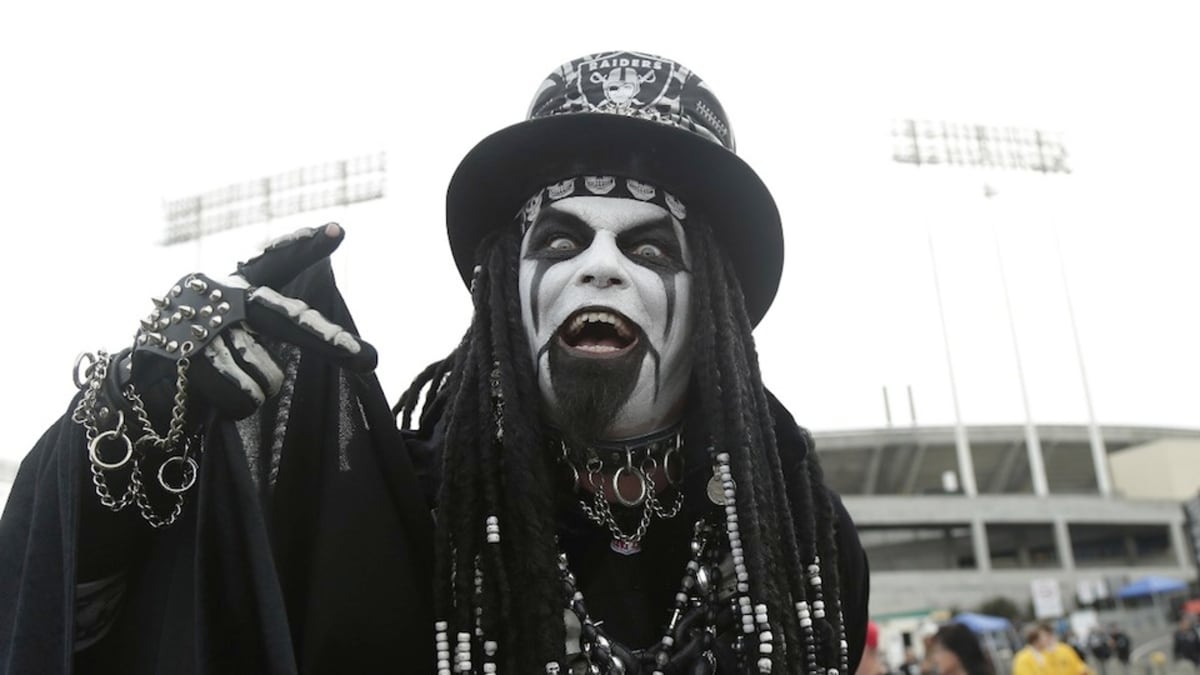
{"type": "Point", "coordinates": [291, 254]}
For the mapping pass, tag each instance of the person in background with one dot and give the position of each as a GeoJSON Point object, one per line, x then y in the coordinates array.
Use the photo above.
{"type": "Point", "coordinates": [956, 651]}
{"type": "Point", "coordinates": [1187, 643]}
{"type": "Point", "coordinates": [1100, 645]}
{"type": "Point", "coordinates": [1043, 654]}
{"type": "Point", "coordinates": [1077, 643]}
{"type": "Point", "coordinates": [911, 665]}
{"type": "Point", "coordinates": [872, 661]}
{"type": "Point", "coordinates": [1121, 645]}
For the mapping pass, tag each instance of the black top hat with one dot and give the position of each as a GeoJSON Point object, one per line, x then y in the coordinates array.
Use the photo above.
{"type": "Point", "coordinates": [634, 115]}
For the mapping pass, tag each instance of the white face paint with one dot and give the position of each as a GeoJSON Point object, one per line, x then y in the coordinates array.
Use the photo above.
{"type": "Point", "coordinates": [606, 292]}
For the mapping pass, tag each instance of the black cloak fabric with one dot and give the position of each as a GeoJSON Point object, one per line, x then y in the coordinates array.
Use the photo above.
{"type": "Point", "coordinates": [305, 547]}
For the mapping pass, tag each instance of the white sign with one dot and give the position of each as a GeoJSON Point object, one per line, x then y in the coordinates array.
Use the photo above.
{"type": "Point", "coordinates": [1086, 592]}
{"type": "Point", "coordinates": [1047, 598]}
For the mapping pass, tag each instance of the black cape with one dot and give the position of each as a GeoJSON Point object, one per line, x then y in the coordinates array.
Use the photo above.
{"type": "Point", "coordinates": [311, 560]}
{"type": "Point", "coordinates": [306, 546]}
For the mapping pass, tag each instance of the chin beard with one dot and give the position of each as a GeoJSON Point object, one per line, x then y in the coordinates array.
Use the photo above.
{"type": "Point", "coordinates": [590, 393]}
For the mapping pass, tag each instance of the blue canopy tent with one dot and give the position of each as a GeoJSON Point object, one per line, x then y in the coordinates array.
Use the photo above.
{"type": "Point", "coordinates": [983, 623]}
{"type": "Point", "coordinates": [1154, 588]}
{"type": "Point", "coordinates": [1151, 585]}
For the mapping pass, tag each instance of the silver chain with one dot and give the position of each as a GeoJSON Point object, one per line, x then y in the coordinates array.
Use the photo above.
{"type": "Point", "coordinates": [601, 514]}
{"type": "Point", "coordinates": [178, 411]}
{"type": "Point", "coordinates": [87, 415]}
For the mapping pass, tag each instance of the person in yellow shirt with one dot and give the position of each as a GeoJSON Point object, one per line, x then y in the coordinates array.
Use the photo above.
{"type": "Point", "coordinates": [1045, 655]}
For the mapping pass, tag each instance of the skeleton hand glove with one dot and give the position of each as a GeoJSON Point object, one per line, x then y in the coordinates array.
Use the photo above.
{"type": "Point", "coordinates": [215, 323]}
{"type": "Point", "coordinates": [200, 343]}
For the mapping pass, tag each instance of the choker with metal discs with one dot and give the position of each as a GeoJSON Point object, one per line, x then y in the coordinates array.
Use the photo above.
{"type": "Point", "coordinates": [619, 465]}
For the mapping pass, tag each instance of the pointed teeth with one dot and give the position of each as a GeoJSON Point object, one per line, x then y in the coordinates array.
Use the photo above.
{"type": "Point", "coordinates": [599, 316]}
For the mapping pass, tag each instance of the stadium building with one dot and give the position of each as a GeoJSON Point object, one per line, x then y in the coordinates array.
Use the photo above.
{"type": "Point", "coordinates": [938, 539]}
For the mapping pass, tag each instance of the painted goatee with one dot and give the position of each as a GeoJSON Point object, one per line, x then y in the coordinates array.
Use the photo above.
{"type": "Point", "coordinates": [590, 391]}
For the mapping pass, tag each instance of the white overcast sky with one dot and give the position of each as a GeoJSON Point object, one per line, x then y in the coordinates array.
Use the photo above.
{"type": "Point", "coordinates": [108, 109]}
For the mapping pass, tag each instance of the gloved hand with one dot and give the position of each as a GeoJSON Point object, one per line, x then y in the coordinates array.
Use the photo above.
{"type": "Point", "coordinates": [214, 324]}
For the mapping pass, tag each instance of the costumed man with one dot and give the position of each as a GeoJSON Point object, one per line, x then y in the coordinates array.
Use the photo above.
{"type": "Point", "coordinates": [613, 490]}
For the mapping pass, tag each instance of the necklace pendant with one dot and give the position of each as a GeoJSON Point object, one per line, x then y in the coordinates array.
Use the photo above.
{"type": "Point", "coordinates": [625, 548]}
{"type": "Point", "coordinates": [716, 491]}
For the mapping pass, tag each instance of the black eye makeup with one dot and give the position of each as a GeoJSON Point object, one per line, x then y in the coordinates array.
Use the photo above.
{"type": "Point", "coordinates": [558, 236]}
{"type": "Point", "coordinates": [654, 245]}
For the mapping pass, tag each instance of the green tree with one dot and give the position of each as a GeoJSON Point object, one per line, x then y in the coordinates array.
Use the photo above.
{"type": "Point", "coordinates": [1001, 606]}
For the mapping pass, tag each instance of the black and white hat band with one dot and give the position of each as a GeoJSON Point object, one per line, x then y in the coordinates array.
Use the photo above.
{"type": "Point", "coordinates": [599, 186]}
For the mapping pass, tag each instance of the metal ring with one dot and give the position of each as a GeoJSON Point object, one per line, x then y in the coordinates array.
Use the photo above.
{"type": "Point", "coordinates": [653, 464]}
{"type": "Point", "coordinates": [617, 489]}
{"type": "Point", "coordinates": [94, 450]}
{"type": "Point", "coordinates": [189, 474]}
{"type": "Point", "coordinates": [87, 371]}
{"type": "Point", "coordinates": [592, 480]}
{"type": "Point", "coordinates": [594, 464]}
{"type": "Point", "coordinates": [672, 466]}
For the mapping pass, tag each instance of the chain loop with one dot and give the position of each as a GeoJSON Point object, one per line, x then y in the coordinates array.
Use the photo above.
{"type": "Point", "coordinates": [89, 374]}
{"type": "Point", "coordinates": [599, 511]}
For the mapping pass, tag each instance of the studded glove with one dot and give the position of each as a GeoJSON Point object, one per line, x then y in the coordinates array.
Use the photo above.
{"type": "Point", "coordinates": [215, 323]}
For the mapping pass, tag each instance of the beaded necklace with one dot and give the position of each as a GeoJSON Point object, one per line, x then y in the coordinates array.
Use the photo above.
{"type": "Point", "coordinates": [703, 608]}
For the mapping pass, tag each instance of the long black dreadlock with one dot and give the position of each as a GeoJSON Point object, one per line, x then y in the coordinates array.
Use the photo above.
{"type": "Point", "coordinates": [496, 465]}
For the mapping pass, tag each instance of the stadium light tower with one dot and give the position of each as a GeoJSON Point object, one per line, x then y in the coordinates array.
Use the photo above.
{"type": "Point", "coordinates": [937, 143]}
{"type": "Point", "coordinates": [309, 188]}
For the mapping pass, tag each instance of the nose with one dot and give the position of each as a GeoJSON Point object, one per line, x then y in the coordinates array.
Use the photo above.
{"type": "Point", "coordinates": [602, 266]}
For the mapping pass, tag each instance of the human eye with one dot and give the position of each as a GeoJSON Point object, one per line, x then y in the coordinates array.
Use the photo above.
{"type": "Point", "coordinates": [647, 250]}
{"type": "Point", "coordinates": [561, 244]}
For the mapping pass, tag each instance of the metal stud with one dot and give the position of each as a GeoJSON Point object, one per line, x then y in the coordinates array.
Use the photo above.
{"type": "Point", "coordinates": [197, 285]}
{"type": "Point", "coordinates": [215, 295]}
{"type": "Point", "coordinates": [172, 346]}
{"type": "Point", "coordinates": [199, 332]}
{"type": "Point", "coordinates": [160, 303]}
{"type": "Point", "coordinates": [149, 325]}
{"type": "Point", "coordinates": [205, 311]}
{"type": "Point", "coordinates": [216, 321]}
{"type": "Point", "coordinates": [164, 322]}
{"type": "Point", "coordinates": [155, 338]}
{"type": "Point", "coordinates": [223, 307]}
{"type": "Point", "coordinates": [141, 339]}
{"type": "Point", "coordinates": [176, 290]}
{"type": "Point", "coordinates": [186, 311]}
{"type": "Point", "coordinates": [176, 317]}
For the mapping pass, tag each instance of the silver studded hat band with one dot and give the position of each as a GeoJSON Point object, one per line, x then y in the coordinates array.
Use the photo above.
{"type": "Point", "coordinates": [600, 186]}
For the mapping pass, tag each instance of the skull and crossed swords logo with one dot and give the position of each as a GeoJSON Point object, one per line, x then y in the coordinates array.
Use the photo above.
{"type": "Point", "coordinates": [620, 81]}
